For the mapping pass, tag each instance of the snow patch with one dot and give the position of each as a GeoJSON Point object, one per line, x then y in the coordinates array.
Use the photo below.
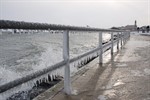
{"type": "Point", "coordinates": [121, 65]}
{"type": "Point", "coordinates": [147, 71]}
{"type": "Point", "coordinates": [136, 73]}
{"type": "Point", "coordinates": [119, 82]}
{"type": "Point", "coordinates": [110, 93]}
{"type": "Point", "coordinates": [102, 97]}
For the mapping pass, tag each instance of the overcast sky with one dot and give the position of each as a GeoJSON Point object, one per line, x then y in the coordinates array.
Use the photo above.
{"type": "Point", "coordinates": [95, 13]}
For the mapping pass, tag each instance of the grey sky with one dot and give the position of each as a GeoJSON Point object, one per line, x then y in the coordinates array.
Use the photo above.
{"type": "Point", "coordinates": [95, 13]}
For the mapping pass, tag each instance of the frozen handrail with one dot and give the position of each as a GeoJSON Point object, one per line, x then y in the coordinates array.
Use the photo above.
{"type": "Point", "coordinates": [6, 24]}
{"type": "Point", "coordinates": [44, 71]}
{"type": "Point", "coordinates": [26, 78]}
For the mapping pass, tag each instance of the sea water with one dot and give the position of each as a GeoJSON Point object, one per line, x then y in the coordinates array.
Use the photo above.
{"type": "Point", "coordinates": [25, 53]}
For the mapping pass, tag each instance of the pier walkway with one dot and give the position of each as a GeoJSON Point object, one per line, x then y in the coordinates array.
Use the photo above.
{"type": "Point", "coordinates": [124, 77]}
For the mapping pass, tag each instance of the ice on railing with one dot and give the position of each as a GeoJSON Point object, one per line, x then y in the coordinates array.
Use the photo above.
{"type": "Point", "coordinates": [51, 75]}
{"type": "Point", "coordinates": [7, 75]}
{"type": "Point", "coordinates": [48, 77]}
{"type": "Point", "coordinates": [84, 60]}
{"type": "Point", "coordinates": [23, 31]}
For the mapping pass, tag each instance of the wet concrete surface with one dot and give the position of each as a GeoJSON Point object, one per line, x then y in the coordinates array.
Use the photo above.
{"type": "Point", "coordinates": [125, 77]}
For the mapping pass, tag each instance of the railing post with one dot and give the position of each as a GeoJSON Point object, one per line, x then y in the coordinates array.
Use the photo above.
{"type": "Point", "coordinates": [128, 34]}
{"type": "Point", "coordinates": [121, 39]}
{"type": "Point", "coordinates": [12, 31]}
{"type": "Point", "coordinates": [20, 31]}
{"type": "Point", "coordinates": [117, 41]}
{"type": "Point", "coordinates": [112, 44]}
{"type": "Point", "coordinates": [101, 48]}
{"type": "Point", "coordinates": [67, 80]}
{"type": "Point", "coordinates": [0, 31]}
{"type": "Point", "coordinates": [124, 38]}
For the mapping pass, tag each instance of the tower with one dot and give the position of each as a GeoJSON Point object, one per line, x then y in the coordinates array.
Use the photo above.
{"type": "Point", "coordinates": [135, 23]}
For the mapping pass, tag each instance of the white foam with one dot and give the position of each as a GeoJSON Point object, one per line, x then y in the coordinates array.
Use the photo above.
{"type": "Point", "coordinates": [52, 44]}
{"type": "Point", "coordinates": [49, 57]}
{"type": "Point", "coordinates": [7, 75]}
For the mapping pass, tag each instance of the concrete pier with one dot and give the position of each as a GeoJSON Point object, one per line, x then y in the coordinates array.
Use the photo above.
{"type": "Point", "coordinates": [124, 77]}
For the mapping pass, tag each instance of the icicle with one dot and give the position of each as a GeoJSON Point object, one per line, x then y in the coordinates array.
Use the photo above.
{"type": "Point", "coordinates": [48, 77]}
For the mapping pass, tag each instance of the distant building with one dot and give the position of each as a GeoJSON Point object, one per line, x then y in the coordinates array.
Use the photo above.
{"type": "Point", "coordinates": [128, 27]}
{"type": "Point", "coordinates": [145, 29]}
{"type": "Point", "coordinates": [87, 26]}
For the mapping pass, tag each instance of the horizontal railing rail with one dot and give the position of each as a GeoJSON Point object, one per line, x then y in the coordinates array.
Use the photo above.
{"type": "Point", "coordinates": [48, 69]}
{"type": "Point", "coordinates": [6, 24]}
{"type": "Point", "coordinates": [121, 38]}
{"type": "Point", "coordinates": [30, 77]}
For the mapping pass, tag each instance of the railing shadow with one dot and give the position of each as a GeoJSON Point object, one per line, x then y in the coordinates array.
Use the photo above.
{"type": "Point", "coordinates": [89, 91]}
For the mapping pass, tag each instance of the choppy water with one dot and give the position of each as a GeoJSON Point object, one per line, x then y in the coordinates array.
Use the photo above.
{"type": "Point", "coordinates": [22, 54]}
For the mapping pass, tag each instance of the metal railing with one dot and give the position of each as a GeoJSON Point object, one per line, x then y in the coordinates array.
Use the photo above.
{"type": "Point", "coordinates": [121, 38]}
